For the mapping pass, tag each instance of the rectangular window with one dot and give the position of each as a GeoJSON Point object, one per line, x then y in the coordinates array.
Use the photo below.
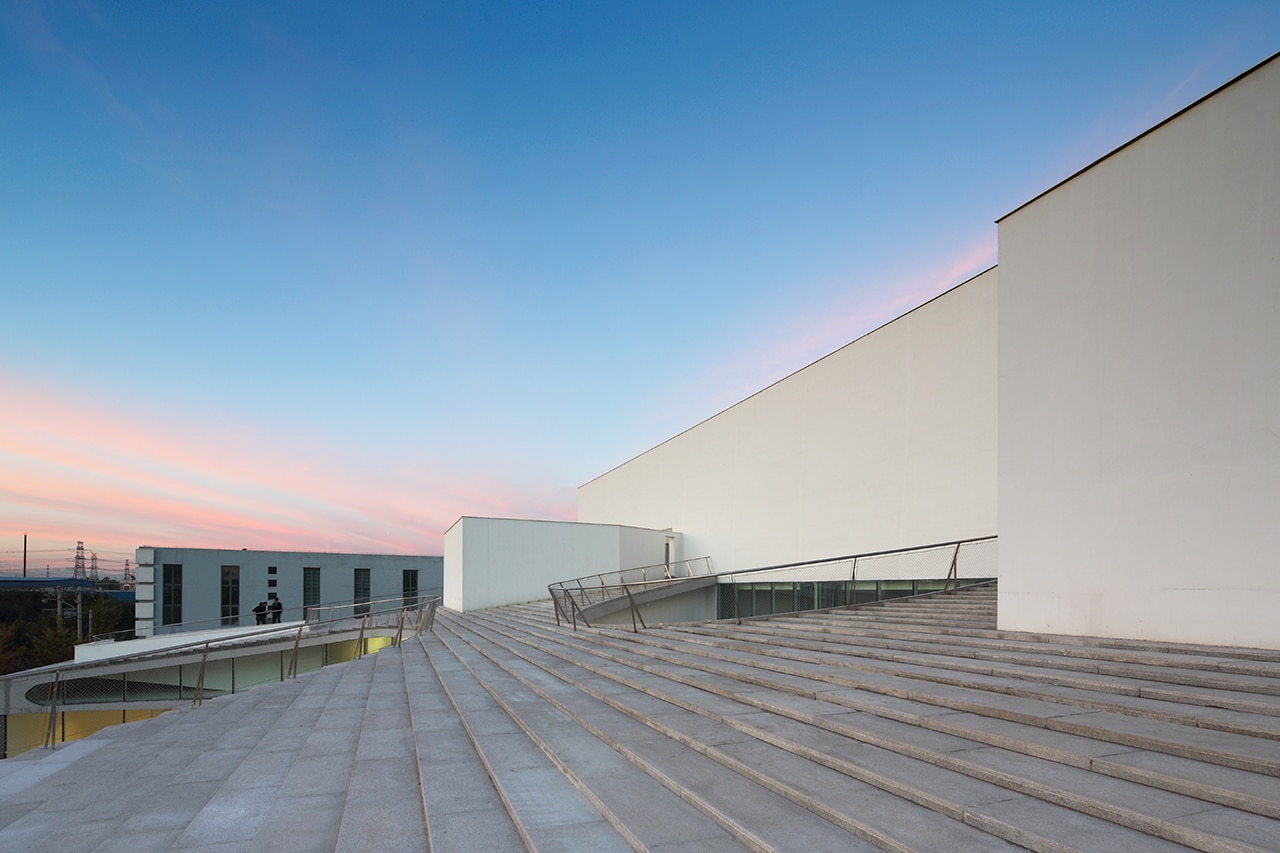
{"type": "Point", "coordinates": [271, 583]}
{"type": "Point", "coordinates": [409, 586]}
{"type": "Point", "coordinates": [171, 594]}
{"type": "Point", "coordinates": [361, 596]}
{"type": "Point", "coordinates": [271, 570]}
{"type": "Point", "coordinates": [230, 595]}
{"type": "Point", "coordinates": [311, 586]}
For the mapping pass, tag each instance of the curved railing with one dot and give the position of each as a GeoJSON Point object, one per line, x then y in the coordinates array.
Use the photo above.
{"type": "Point", "coordinates": [79, 682]}
{"type": "Point", "coordinates": [571, 597]}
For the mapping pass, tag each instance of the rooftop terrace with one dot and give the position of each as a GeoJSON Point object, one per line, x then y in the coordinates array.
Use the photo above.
{"type": "Point", "coordinates": [910, 726]}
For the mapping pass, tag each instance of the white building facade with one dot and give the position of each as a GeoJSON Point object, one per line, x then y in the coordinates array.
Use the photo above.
{"type": "Point", "coordinates": [194, 589]}
{"type": "Point", "coordinates": [1139, 385]}
{"type": "Point", "coordinates": [889, 442]}
{"type": "Point", "coordinates": [493, 561]}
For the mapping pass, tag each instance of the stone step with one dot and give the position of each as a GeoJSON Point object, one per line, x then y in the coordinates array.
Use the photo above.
{"type": "Point", "coordinates": [652, 809]}
{"type": "Point", "coordinates": [698, 761]}
{"type": "Point", "coordinates": [1251, 694]}
{"type": "Point", "coordinates": [175, 764]}
{"type": "Point", "coordinates": [1229, 796]}
{"type": "Point", "coordinates": [383, 807]}
{"type": "Point", "coordinates": [1169, 728]}
{"type": "Point", "coordinates": [543, 804]}
{"type": "Point", "coordinates": [961, 645]}
{"type": "Point", "coordinates": [1084, 694]}
{"type": "Point", "coordinates": [464, 811]}
{"type": "Point", "coordinates": [918, 780]}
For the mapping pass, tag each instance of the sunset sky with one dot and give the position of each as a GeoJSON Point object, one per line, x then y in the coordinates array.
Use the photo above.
{"type": "Point", "coordinates": [327, 276]}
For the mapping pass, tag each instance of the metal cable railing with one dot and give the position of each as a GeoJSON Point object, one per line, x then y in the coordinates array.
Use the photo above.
{"type": "Point", "coordinates": [896, 570]}
{"type": "Point", "coordinates": [945, 561]}
{"type": "Point", "coordinates": [572, 596]}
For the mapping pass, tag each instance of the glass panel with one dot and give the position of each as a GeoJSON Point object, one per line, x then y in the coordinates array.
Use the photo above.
{"type": "Point", "coordinates": [361, 595]}
{"type": "Point", "coordinates": [230, 595]}
{"type": "Point", "coordinates": [311, 586]}
{"type": "Point", "coordinates": [171, 594]}
{"type": "Point", "coordinates": [409, 587]}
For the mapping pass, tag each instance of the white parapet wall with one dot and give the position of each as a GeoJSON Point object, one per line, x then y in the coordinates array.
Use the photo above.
{"type": "Point", "coordinates": [889, 442]}
{"type": "Point", "coordinates": [1139, 326]}
{"type": "Point", "coordinates": [489, 562]}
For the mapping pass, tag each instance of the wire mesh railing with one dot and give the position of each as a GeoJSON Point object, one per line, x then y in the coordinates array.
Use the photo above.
{"type": "Point", "coordinates": [71, 684]}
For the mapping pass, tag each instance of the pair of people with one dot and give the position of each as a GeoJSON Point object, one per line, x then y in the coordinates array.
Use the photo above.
{"type": "Point", "coordinates": [268, 613]}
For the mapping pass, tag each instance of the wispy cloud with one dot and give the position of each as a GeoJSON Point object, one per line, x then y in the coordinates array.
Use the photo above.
{"type": "Point", "coordinates": [116, 480]}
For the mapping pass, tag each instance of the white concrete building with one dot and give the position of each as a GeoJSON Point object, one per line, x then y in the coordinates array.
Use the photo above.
{"type": "Point", "coordinates": [1106, 401]}
{"type": "Point", "coordinates": [889, 442]}
{"type": "Point", "coordinates": [1140, 384]}
{"type": "Point", "coordinates": [510, 560]}
{"type": "Point", "coordinates": [204, 588]}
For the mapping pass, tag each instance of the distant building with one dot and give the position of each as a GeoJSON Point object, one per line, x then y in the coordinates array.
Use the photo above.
{"type": "Point", "coordinates": [192, 589]}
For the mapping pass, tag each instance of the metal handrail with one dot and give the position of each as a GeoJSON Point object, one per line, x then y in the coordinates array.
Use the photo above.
{"type": "Point", "coordinates": [215, 622]}
{"type": "Point", "coordinates": [426, 603]}
{"type": "Point", "coordinates": [662, 572]}
{"type": "Point", "coordinates": [578, 592]}
{"type": "Point", "coordinates": [863, 556]}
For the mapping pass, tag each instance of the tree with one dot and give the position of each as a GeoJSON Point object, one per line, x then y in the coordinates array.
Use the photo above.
{"type": "Point", "coordinates": [13, 653]}
{"type": "Point", "coordinates": [52, 644]}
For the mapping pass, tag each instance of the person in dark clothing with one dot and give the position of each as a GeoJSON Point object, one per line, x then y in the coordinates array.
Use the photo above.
{"type": "Point", "coordinates": [276, 609]}
{"type": "Point", "coordinates": [260, 612]}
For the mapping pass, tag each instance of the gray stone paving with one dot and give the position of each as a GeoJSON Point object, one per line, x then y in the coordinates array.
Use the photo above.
{"type": "Point", "coordinates": [503, 732]}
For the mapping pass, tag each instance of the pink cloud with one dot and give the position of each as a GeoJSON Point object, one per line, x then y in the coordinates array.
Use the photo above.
{"type": "Point", "coordinates": [115, 480]}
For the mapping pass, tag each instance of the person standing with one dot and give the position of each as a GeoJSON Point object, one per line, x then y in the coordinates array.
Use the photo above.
{"type": "Point", "coordinates": [276, 609]}
{"type": "Point", "coordinates": [260, 612]}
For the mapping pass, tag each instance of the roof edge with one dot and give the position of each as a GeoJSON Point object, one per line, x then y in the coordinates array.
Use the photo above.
{"type": "Point", "coordinates": [840, 348]}
{"type": "Point", "coordinates": [1145, 133]}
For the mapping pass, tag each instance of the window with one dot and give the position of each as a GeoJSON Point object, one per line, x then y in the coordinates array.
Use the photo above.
{"type": "Point", "coordinates": [409, 586]}
{"type": "Point", "coordinates": [311, 586]}
{"type": "Point", "coordinates": [271, 583]}
{"type": "Point", "coordinates": [171, 594]}
{"type": "Point", "coordinates": [361, 596]}
{"type": "Point", "coordinates": [230, 595]}
{"type": "Point", "coordinates": [271, 570]}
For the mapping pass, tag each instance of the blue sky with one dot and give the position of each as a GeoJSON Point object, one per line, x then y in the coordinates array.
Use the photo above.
{"type": "Point", "coordinates": [328, 276]}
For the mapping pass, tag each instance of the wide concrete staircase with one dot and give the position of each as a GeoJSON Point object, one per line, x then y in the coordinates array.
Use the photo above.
{"type": "Point", "coordinates": [909, 726]}
{"type": "Point", "coordinates": [915, 725]}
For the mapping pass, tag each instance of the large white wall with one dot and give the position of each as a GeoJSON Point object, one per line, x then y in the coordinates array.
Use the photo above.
{"type": "Point", "coordinates": [494, 561]}
{"type": "Point", "coordinates": [1140, 385]}
{"type": "Point", "coordinates": [888, 442]}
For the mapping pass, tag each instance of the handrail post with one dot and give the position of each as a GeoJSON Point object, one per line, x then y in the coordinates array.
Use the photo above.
{"type": "Point", "coordinates": [360, 637]}
{"type": "Point", "coordinates": [428, 623]}
{"type": "Point", "coordinates": [951, 575]}
{"type": "Point", "coordinates": [293, 661]}
{"type": "Point", "coordinates": [635, 611]}
{"type": "Point", "coordinates": [51, 728]}
{"type": "Point", "coordinates": [400, 628]}
{"type": "Point", "coordinates": [577, 612]}
{"type": "Point", "coordinates": [197, 695]}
